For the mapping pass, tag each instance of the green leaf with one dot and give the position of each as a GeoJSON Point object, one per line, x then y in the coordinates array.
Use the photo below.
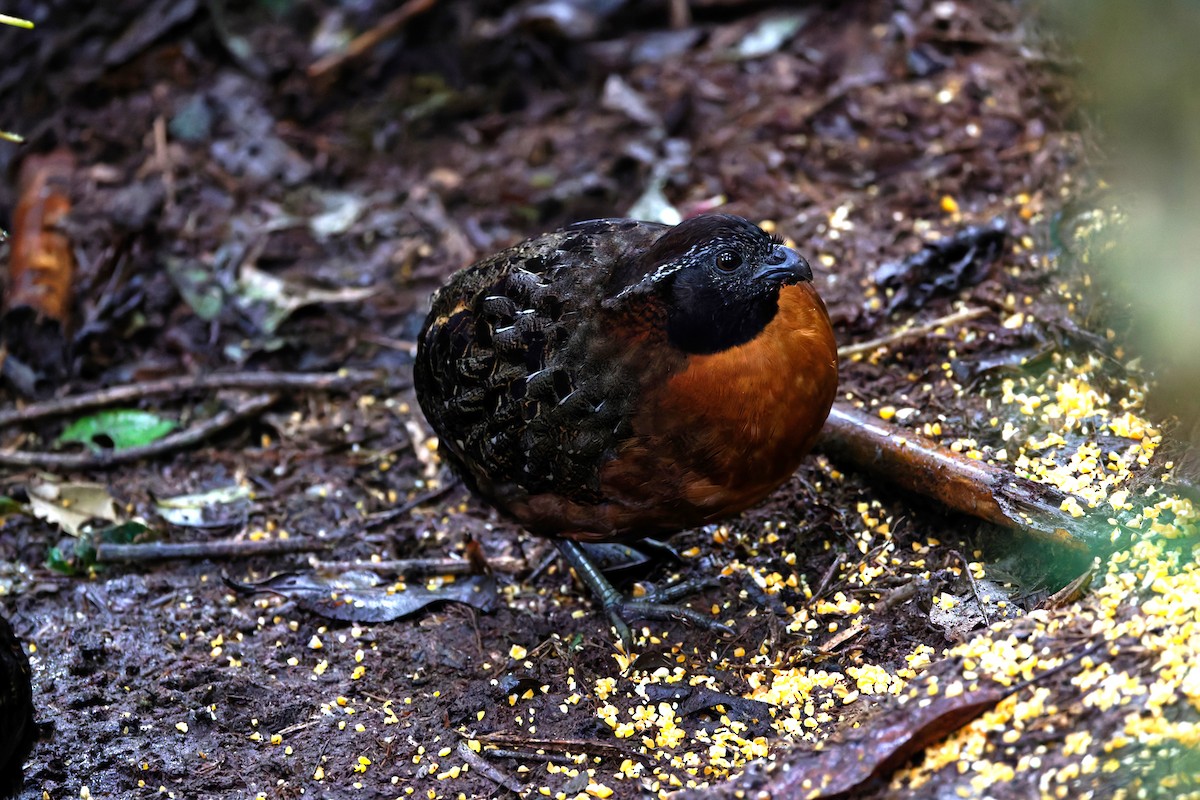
{"type": "Point", "coordinates": [118, 429]}
{"type": "Point", "coordinates": [73, 557]}
{"type": "Point", "coordinates": [9, 506]}
{"type": "Point", "coordinates": [59, 562]}
{"type": "Point", "coordinates": [199, 287]}
{"type": "Point", "coordinates": [123, 533]}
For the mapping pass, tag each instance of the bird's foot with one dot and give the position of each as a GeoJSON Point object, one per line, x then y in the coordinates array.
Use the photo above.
{"type": "Point", "coordinates": [623, 610]}
{"type": "Point", "coordinates": [668, 594]}
{"type": "Point", "coordinates": [658, 605]}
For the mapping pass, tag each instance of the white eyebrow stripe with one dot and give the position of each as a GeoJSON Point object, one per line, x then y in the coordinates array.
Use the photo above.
{"type": "Point", "coordinates": [664, 271]}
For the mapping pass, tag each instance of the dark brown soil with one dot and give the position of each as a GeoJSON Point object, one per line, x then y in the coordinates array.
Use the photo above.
{"type": "Point", "coordinates": [201, 144]}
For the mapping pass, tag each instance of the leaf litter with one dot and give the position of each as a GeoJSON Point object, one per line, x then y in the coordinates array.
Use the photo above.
{"type": "Point", "coordinates": [866, 127]}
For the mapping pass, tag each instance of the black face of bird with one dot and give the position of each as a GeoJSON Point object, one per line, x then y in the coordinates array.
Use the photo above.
{"type": "Point", "coordinates": [722, 283]}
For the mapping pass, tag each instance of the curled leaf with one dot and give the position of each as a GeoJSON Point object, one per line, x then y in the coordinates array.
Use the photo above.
{"type": "Point", "coordinates": [361, 596]}
{"type": "Point", "coordinates": [771, 34]}
{"type": "Point", "coordinates": [204, 509]}
{"type": "Point", "coordinates": [71, 505]}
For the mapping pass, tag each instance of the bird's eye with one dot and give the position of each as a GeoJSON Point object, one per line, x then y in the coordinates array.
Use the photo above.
{"type": "Point", "coordinates": [728, 260]}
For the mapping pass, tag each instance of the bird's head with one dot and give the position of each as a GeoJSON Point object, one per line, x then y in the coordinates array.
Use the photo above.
{"type": "Point", "coordinates": [719, 278]}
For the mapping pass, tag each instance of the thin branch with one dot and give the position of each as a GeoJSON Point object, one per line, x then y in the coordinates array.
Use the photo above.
{"type": "Point", "coordinates": [384, 517]}
{"type": "Point", "coordinates": [387, 26]}
{"type": "Point", "coordinates": [871, 345]}
{"type": "Point", "coordinates": [575, 746]}
{"type": "Point", "coordinates": [422, 566]}
{"type": "Point", "coordinates": [162, 159]}
{"type": "Point", "coordinates": [561, 745]}
{"type": "Point", "coordinates": [238, 548]}
{"type": "Point", "coordinates": [532, 755]}
{"type": "Point", "coordinates": [827, 578]}
{"type": "Point", "coordinates": [253, 381]}
{"type": "Point", "coordinates": [966, 565]}
{"type": "Point", "coordinates": [481, 766]}
{"type": "Point", "coordinates": [176, 441]}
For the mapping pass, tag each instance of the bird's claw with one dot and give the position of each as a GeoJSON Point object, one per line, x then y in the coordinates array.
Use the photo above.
{"type": "Point", "coordinates": [657, 605]}
{"type": "Point", "coordinates": [622, 610]}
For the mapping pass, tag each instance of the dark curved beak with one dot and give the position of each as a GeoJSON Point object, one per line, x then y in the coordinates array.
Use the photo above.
{"type": "Point", "coordinates": [785, 265]}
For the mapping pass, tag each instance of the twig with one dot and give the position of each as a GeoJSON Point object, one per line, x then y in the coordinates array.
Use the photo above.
{"type": "Point", "coordinates": [299, 726]}
{"type": "Point", "coordinates": [256, 381]}
{"type": "Point", "coordinates": [532, 755]}
{"type": "Point", "coordinates": [974, 586]}
{"type": "Point", "coordinates": [162, 159]}
{"type": "Point", "coordinates": [403, 345]}
{"type": "Point", "coordinates": [480, 765]}
{"type": "Point", "coordinates": [175, 441]}
{"type": "Point", "coordinates": [963, 484]}
{"type": "Point", "coordinates": [422, 566]}
{"type": "Point", "coordinates": [557, 745]}
{"type": "Point", "coordinates": [384, 517]}
{"type": "Point", "coordinates": [899, 596]}
{"type": "Point", "coordinates": [243, 548]}
{"type": "Point", "coordinates": [827, 577]}
{"type": "Point", "coordinates": [390, 23]}
{"type": "Point", "coordinates": [871, 345]}
{"type": "Point", "coordinates": [577, 746]}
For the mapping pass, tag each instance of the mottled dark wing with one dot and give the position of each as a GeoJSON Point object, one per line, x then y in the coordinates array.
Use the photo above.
{"type": "Point", "coordinates": [511, 370]}
{"type": "Point", "coordinates": [18, 730]}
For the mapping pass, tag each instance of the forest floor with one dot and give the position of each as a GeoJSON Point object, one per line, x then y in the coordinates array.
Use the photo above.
{"type": "Point", "coordinates": [232, 212]}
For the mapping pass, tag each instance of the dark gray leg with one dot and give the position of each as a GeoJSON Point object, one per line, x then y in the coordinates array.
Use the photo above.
{"type": "Point", "coordinates": [620, 609]}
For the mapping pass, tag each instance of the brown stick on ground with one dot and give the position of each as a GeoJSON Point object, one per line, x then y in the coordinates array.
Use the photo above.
{"type": "Point", "coordinates": [963, 484]}
{"type": "Point", "coordinates": [240, 548]}
{"type": "Point", "coordinates": [391, 23]}
{"type": "Point", "coordinates": [176, 441]}
{"type": "Point", "coordinates": [871, 345]}
{"type": "Point", "coordinates": [258, 381]}
{"type": "Point", "coordinates": [423, 566]}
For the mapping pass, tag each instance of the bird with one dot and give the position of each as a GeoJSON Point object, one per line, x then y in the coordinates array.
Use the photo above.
{"type": "Point", "coordinates": [620, 379]}
{"type": "Point", "coordinates": [19, 729]}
